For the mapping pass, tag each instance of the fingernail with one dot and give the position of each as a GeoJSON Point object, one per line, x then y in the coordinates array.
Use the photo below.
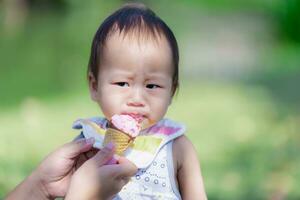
{"type": "Point", "coordinates": [110, 146]}
{"type": "Point", "coordinates": [112, 161]}
{"type": "Point", "coordinates": [116, 157]}
{"type": "Point", "coordinates": [80, 140]}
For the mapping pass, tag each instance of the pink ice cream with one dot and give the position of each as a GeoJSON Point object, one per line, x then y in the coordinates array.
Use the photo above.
{"type": "Point", "coordinates": [127, 124]}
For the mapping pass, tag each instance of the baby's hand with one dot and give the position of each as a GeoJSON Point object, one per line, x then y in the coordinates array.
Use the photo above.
{"type": "Point", "coordinates": [95, 180]}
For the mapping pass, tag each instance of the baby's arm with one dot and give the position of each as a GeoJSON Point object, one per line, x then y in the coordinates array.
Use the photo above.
{"type": "Point", "coordinates": [187, 166]}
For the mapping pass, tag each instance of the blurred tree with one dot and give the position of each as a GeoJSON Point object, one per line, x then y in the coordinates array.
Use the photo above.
{"type": "Point", "coordinates": [288, 20]}
{"type": "Point", "coordinates": [53, 5]}
{"type": "Point", "coordinates": [16, 11]}
{"type": "Point", "coordinates": [15, 14]}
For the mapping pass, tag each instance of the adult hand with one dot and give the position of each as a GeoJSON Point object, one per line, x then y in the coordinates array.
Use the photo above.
{"type": "Point", "coordinates": [56, 170]}
{"type": "Point", "coordinates": [52, 177]}
{"type": "Point", "coordinates": [95, 180]}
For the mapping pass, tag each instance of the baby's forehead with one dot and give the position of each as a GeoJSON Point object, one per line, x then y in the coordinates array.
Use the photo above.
{"type": "Point", "coordinates": [128, 51]}
{"type": "Point", "coordinates": [120, 43]}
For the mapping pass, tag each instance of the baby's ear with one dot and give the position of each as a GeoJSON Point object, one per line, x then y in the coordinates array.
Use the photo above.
{"type": "Point", "coordinates": [93, 86]}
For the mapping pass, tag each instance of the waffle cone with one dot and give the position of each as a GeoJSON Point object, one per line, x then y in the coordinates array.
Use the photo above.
{"type": "Point", "coordinates": [121, 140]}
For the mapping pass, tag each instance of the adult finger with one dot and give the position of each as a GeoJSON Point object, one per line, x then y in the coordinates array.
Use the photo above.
{"type": "Point", "coordinates": [74, 148]}
{"type": "Point", "coordinates": [104, 155]}
{"type": "Point", "coordinates": [124, 169]}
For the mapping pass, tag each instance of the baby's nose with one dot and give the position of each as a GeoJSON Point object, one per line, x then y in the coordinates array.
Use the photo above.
{"type": "Point", "coordinates": [135, 104]}
{"type": "Point", "coordinates": [136, 98]}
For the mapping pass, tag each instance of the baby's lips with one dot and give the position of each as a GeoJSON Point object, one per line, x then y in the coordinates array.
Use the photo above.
{"type": "Point", "coordinates": [139, 118]}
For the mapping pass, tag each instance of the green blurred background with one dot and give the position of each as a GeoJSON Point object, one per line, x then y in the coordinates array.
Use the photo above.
{"type": "Point", "coordinates": [239, 96]}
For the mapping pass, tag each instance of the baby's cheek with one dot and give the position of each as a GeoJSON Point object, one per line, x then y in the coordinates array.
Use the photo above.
{"type": "Point", "coordinates": [159, 110]}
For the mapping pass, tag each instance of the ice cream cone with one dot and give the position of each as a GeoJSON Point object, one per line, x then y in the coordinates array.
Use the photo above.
{"type": "Point", "coordinates": [121, 140]}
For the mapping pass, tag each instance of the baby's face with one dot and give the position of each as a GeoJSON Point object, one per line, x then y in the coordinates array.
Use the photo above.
{"type": "Point", "coordinates": [135, 77]}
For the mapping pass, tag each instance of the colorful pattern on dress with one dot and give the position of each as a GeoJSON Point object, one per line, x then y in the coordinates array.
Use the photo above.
{"type": "Point", "coordinates": [145, 146]}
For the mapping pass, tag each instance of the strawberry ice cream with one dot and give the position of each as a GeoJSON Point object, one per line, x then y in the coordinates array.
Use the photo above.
{"type": "Point", "coordinates": [127, 124]}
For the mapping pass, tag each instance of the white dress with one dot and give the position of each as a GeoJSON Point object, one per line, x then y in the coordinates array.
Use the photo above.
{"type": "Point", "coordinates": [152, 154]}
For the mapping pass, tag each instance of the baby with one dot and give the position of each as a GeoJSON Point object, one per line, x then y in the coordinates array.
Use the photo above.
{"type": "Point", "coordinates": [133, 70]}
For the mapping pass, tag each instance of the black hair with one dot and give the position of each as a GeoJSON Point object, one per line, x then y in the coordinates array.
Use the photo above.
{"type": "Point", "coordinates": [133, 17]}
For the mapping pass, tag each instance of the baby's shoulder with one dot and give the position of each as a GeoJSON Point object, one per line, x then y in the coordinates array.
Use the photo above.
{"type": "Point", "coordinates": [182, 148]}
{"type": "Point", "coordinates": [181, 143]}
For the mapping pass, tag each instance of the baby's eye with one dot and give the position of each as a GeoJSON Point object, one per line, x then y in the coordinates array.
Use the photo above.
{"type": "Point", "coordinates": [152, 86]}
{"type": "Point", "coordinates": [122, 84]}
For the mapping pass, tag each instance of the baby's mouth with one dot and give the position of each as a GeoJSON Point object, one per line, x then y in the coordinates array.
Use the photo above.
{"type": "Point", "coordinates": [142, 119]}
{"type": "Point", "coordinates": [138, 117]}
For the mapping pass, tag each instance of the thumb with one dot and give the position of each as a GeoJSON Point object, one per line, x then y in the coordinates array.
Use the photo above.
{"type": "Point", "coordinates": [104, 155]}
{"type": "Point", "coordinates": [74, 148]}
{"type": "Point", "coordinates": [124, 169]}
